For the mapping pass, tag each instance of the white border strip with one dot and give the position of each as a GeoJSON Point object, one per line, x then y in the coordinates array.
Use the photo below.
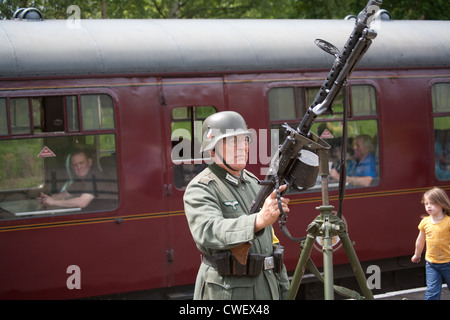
{"type": "Point", "coordinates": [401, 292]}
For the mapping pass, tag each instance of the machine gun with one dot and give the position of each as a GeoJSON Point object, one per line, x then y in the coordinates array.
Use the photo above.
{"type": "Point", "coordinates": [296, 163]}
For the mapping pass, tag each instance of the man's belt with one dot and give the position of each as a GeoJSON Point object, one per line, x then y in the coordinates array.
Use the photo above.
{"type": "Point", "coordinates": [227, 265]}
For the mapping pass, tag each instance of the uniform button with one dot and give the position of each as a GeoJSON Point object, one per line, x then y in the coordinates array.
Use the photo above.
{"type": "Point", "coordinates": [227, 286]}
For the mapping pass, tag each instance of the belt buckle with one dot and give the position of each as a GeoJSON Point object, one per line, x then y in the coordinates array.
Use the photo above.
{"type": "Point", "coordinates": [269, 263]}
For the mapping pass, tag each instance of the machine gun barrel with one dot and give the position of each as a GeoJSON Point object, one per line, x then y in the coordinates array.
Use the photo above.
{"type": "Point", "coordinates": [288, 165]}
{"type": "Point", "coordinates": [357, 44]}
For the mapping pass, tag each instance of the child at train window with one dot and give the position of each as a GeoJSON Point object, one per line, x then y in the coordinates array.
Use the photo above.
{"type": "Point", "coordinates": [434, 230]}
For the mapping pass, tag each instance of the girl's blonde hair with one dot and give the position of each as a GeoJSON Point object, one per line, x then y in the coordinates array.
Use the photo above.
{"type": "Point", "coordinates": [439, 197]}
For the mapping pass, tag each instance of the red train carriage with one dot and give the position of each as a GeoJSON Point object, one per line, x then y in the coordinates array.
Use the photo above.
{"type": "Point", "coordinates": [133, 94]}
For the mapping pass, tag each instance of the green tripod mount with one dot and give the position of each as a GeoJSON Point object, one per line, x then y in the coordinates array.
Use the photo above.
{"type": "Point", "coordinates": [327, 226]}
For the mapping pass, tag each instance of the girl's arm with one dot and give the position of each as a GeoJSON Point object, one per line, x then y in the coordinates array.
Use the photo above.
{"type": "Point", "coordinates": [420, 243]}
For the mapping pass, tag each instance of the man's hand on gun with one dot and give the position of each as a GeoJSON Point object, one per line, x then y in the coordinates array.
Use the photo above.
{"type": "Point", "coordinates": [270, 211]}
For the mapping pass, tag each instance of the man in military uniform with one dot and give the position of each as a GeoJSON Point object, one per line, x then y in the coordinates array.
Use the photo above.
{"type": "Point", "coordinates": [241, 257]}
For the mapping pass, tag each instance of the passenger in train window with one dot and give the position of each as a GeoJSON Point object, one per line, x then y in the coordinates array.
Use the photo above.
{"type": "Point", "coordinates": [79, 192]}
{"type": "Point", "coordinates": [242, 257]}
{"type": "Point", "coordinates": [442, 154]}
{"type": "Point", "coordinates": [362, 169]}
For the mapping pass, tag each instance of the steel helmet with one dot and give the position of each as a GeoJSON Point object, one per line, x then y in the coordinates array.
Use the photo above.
{"type": "Point", "coordinates": [222, 125]}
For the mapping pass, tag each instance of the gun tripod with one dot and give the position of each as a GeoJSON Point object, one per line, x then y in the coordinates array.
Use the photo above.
{"type": "Point", "coordinates": [327, 226]}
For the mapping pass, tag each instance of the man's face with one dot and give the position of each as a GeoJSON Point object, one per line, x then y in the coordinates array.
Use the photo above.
{"type": "Point", "coordinates": [360, 151]}
{"type": "Point", "coordinates": [80, 164]}
{"type": "Point", "coordinates": [235, 151]}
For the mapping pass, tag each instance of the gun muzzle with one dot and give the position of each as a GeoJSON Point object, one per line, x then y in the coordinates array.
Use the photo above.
{"type": "Point", "coordinates": [366, 16]}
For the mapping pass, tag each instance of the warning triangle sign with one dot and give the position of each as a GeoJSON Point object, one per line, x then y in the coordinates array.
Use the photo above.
{"type": "Point", "coordinates": [326, 135]}
{"type": "Point", "coordinates": [46, 153]}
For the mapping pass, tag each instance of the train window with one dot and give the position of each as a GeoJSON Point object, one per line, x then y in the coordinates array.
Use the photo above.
{"type": "Point", "coordinates": [97, 112]}
{"type": "Point", "coordinates": [39, 115]}
{"type": "Point", "coordinates": [362, 152]}
{"type": "Point", "coordinates": [61, 167]}
{"type": "Point", "coordinates": [72, 114]}
{"type": "Point", "coordinates": [440, 96]}
{"type": "Point", "coordinates": [364, 100]}
{"type": "Point", "coordinates": [20, 116]}
{"type": "Point", "coordinates": [338, 106]}
{"type": "Point", "coordinates": [186, 141]}
{"type": "Point", "coordinates": [48, 114]}
{"type": "Point", "coordinates": [58, 175]}
{"type": "Point", "coordinates": [3, 117]}
{"type": "Point", "coordinates": [282, 104]}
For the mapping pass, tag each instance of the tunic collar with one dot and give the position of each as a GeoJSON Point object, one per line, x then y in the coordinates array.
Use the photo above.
{"type": "Point", "coordinates": [228, 177]}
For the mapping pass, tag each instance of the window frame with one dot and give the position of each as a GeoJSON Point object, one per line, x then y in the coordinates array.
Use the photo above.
{"type": "Point", "coordinates": [66, 95]}
{"type": "Point", "coordinates": [192, 164]}
{"type": "Point", "coordinates": [351, 117]}
{"type": "Point", "coordinates": [433, 116]}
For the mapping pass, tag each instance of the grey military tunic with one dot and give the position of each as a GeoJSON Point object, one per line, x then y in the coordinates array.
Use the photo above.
{"type": "Point", "coordinates": [217, 209]}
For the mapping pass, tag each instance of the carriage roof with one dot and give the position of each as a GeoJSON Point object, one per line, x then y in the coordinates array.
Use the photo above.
{"type": "Point", "coordinates": [101, 47]}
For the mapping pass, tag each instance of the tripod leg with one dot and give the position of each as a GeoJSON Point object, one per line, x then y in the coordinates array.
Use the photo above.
{"type": "Point", "coordinates": [301, 266]}
{"type": "Point", "coordinates": [356, 266]}
{"type": "Point", "coordinates": [328, 262]}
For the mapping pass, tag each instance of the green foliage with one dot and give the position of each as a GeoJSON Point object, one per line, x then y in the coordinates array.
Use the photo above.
{"type": "Point", "coordinates": [21, 168]}
{"type": "Point", "coordinates": [226, 9]}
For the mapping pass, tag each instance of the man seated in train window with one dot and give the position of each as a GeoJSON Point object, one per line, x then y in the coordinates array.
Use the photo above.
{"type": "Point", "coordinates": [81, 189]}
{"type": "Point", "coordinates": [442, 154]}
{"type": "Point", "coordinates": [362, 169]}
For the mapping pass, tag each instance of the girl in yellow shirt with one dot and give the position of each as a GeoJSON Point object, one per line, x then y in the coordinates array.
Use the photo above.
{"type": "Point", "coordinates": [434, 230]}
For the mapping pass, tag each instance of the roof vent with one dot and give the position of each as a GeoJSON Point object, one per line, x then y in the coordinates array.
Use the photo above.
{"type": "Point", "coordinates": [28, 14]}
{"type": "Point", "coordinates": [350, 17]}
{"type": "Point", "coordinates": [383, 15]}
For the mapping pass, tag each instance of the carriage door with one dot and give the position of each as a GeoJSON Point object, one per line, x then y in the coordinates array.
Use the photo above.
{"type": "Point", "coordinates": [186, 102]}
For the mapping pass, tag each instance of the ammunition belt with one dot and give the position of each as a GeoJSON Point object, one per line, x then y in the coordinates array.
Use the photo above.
{"type": "Point", "coordinates": [227, 265]}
